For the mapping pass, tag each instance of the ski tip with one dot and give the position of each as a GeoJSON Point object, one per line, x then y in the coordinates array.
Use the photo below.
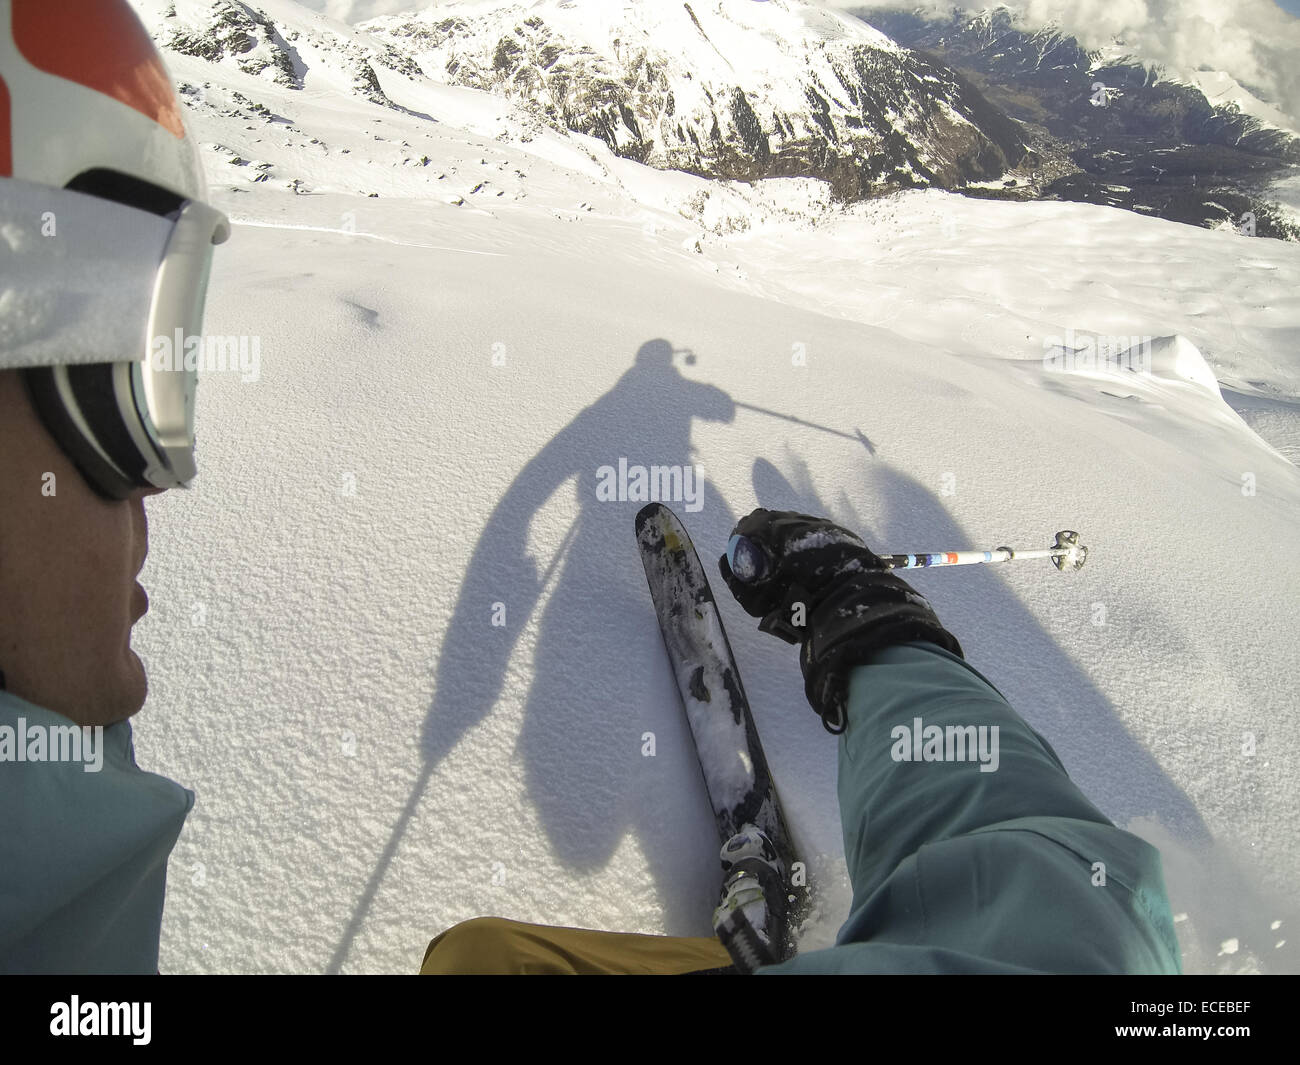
{"type": "Point", "coordinates": [649, 513]}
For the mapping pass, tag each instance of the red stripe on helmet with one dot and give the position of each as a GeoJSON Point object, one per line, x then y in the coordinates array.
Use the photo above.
{"type": "Point", "coordinates": [6, 152]}
{"type": "Point", "coordinates": [102, 45]}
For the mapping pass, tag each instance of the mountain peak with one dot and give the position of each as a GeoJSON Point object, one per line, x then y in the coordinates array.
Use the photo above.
{"type": "Point", "coordinates": [736, 89]}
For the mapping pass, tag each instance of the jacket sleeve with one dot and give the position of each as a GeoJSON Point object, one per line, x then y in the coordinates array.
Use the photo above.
{"type": "Point", "coordinates": [968, 846]}
{"type": "Point", "coordinates": [84, 846]}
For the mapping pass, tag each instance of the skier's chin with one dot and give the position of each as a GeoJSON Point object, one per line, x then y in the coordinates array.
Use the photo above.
{"type": "Point", "coordinates": [125, 695]}
{"type": "Point", "coordinates": [137, 688]}
{"type": "Point", "coordinates": [113, 692]}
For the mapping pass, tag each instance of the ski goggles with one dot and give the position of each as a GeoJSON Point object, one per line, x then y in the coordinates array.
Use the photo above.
{"type": "Point", "coordinates": [93, 296]}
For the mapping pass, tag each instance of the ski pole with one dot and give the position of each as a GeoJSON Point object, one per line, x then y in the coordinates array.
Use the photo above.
{"type": "Point", "coordinates": [799, 421]}
{"type": "Point", "coordinates": [690, 359]}
{"type": "Point", "coordinates": [1066, 553]}
{"type": "Point", "coordinates": [748, 561]}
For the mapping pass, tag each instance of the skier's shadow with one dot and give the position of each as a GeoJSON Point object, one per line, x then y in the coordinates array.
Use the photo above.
{"type": "Point", "coordinates": [1114, 769]}
{"type": "Point", "coordinates": [584, 746]}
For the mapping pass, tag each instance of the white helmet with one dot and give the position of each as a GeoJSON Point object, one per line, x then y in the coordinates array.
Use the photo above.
{"type": "Point", "coordinates": [105, 239]}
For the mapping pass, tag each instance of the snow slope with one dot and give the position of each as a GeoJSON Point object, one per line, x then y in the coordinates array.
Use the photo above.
{"type": "Point", "coordinates": [444, 367]}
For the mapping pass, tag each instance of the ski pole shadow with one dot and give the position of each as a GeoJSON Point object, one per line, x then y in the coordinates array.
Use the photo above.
{"type": "Point", "coordinates": [581, 744]}
{"type": "Point", "coordinates": [1112, 768]}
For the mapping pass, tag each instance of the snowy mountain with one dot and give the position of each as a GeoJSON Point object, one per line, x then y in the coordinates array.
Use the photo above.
{"type": "Point", "coordinates": [735, 89]}
{"type": "Point", "coordinates": [278, 42]}
{"type": "Point", "coordinates": [746, 91]}
{"type": "Point", "coordinates": [1113, 128]}
{"type": "Point", "coordinates": [461, 309]}
{"type": "Point", "coordinates": [743, 91]}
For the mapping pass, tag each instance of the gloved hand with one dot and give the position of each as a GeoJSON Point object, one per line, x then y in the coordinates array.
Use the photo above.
{"type": "Point", "coordinates": [818, 585]}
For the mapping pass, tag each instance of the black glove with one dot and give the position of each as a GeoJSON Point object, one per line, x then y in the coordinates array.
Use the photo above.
{"type": "Point", "coordinates": [818, 585]}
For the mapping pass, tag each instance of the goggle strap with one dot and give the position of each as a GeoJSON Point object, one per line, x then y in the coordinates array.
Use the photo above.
{"type": "Point", "coordinates": [56, 401]}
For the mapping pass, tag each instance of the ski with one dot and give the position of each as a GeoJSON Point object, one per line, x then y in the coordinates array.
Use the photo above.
{"type": "Point", "coordinates": [765, 891]}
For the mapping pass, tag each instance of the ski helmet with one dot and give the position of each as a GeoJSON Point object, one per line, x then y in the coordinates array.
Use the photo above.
{"type": "Point", "coordinates": [105, 240]}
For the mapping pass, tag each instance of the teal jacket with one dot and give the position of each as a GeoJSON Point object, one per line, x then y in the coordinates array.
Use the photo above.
{"type": "Point", "coordinates": [83, 850]}
{"type": "Point", "coordinates": [957, 868]}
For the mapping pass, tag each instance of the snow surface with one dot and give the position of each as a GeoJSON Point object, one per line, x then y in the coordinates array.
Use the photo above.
{"type": "Point", "coordinates": [376, 761]}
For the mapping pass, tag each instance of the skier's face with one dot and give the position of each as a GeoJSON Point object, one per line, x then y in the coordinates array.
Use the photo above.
{"type": "Point", "coordinates": [68, 566]}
